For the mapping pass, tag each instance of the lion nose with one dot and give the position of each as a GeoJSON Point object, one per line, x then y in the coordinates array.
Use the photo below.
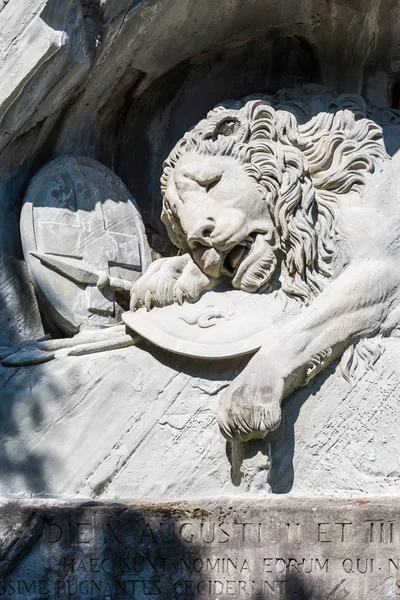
{"type": "Point", "coordinates": [202, 233]}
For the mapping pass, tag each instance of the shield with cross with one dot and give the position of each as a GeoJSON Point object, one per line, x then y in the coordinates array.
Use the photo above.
{"type": "Point", "coordinates": [84, 243]}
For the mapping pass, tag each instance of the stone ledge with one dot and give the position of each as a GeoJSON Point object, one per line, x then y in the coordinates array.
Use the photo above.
{"type": "Point", "coordinates": [225, 548]}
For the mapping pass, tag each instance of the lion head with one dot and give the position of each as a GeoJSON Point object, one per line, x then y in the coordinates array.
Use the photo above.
{"type": "Point", "coordinates": [251, 191]}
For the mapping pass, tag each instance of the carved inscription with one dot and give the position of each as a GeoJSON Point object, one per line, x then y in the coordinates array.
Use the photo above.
{"type": "Point", "coordinates": [269, 549]}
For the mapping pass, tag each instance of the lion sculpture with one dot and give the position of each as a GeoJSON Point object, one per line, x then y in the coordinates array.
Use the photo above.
{"type": "Point", "coordinates": [294, 193]}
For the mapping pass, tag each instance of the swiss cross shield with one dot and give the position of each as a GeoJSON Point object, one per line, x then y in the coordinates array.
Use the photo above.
{"type": "Point", "coordinates": [83, 241]}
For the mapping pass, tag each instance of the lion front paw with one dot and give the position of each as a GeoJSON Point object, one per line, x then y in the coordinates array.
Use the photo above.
{"type": "Point", "coordinates": [250, 406]}
{"type": "Point", "coordinates": [169, 280]}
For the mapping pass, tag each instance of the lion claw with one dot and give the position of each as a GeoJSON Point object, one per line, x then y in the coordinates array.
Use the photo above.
{"type": "Point", "coordinates": [148, 299]}
{"type": "Point", "coordinates": [134, 304]}
{"type": "Point", "coordinates": [178, 295]}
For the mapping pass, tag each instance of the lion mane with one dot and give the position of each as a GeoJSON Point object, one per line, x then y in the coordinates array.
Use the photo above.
{"type": "Point", "coordinates": [304, 148]}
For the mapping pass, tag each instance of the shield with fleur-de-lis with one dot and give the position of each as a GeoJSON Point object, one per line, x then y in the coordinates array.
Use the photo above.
{"type": "Point", "coordinates": [83, 241]}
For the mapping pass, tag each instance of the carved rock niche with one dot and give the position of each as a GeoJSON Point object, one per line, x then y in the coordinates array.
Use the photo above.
{"type": "Point", "coordinates": [199, 221]}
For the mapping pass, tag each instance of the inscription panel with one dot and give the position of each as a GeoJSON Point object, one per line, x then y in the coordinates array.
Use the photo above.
{"type": "Point", "coordinates": [297, 549]}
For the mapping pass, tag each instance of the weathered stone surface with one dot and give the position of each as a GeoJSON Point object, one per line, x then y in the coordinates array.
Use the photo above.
{"type": "Point", "coordinates": [135, 423]}
{"type": "Point", "coordinates": [44, 56]}
{"type": "Point", "coordinates": [121, 83]}
{"type": "Point", "coordinates": [292, 550]}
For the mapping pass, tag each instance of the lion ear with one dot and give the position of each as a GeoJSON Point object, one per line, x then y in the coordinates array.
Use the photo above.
{"type": "Point", "coordinates": [228, 124]}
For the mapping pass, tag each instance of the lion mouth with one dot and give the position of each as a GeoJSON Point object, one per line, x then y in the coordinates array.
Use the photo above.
{"type": "Point", "coordinates": [251, 263]}
{"type": "Point", "coordinates": [237, 255]}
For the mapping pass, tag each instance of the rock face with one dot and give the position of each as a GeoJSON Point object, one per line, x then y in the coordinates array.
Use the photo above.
{"type": "Point", "coordinates": [121, 83]}
{"type": "Point", "coordinates": [134, 423]}
{"type": "Point", "coordinates": [292, 193]}
{"type": "Point", "coordinates": [103, 80]}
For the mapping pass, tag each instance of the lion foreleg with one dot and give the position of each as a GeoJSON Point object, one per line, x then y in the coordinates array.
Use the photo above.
{"type": "Point", "coordinates": [353, 306]}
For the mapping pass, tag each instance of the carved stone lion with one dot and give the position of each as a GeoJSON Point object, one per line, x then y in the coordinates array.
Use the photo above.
{"type": "Point", "coordinates": [293, 193]}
